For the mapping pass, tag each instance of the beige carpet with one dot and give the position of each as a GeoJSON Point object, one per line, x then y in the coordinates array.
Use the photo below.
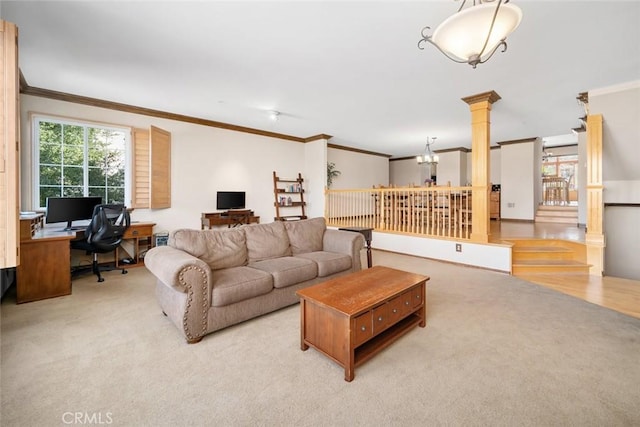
{"type": "Point", "coordinates": [496, 351]}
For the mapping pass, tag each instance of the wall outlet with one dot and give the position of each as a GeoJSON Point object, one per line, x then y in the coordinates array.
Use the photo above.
{"type": "Point", "coordinates": [511, 205]}
{"type": "Point", "coordinates": [458, 247]}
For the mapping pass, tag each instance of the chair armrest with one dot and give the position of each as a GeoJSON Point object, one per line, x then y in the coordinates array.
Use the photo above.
{"type": "Point", "coordinates": [344, 242]}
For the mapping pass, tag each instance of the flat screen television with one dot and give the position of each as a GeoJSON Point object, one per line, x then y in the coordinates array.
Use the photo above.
{"type": "Point", "coordinates": [226, 200]}
{"type": "Point", "coordinates": [69, 209]}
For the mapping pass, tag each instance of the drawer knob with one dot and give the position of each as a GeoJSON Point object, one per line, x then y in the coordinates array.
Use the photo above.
{"type": "Point", "coordinates": [363, 328]}
{"type": "Point", "coordinates": [406, 303]}
{"type": "Point", "coordinates": [395, 310]}
{"type": "Point", "coordinates": [380, 319]}
{"type": "Point", "coordinates": [418, 296]}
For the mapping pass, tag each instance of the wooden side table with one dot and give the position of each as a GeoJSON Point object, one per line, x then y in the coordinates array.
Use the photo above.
{"type": "Point", "coordinates": [367, 233]}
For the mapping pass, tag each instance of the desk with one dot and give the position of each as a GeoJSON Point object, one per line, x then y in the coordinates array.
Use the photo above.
{"type": "Point", "coordinates": [45, 258]}
{"type": "Point", "coordinates": [230, 219]}
{"type": "Point", "coordinates": [45, 262]}
{"type": "Point", "coordinates": [137, 240]}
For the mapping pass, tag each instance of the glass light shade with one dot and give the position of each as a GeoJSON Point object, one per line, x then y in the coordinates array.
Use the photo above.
{"type": "Point", "coordinates": [463, 35]}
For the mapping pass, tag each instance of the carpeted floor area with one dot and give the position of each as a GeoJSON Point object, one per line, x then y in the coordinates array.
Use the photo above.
{"type": "Point", "coordinates": [496, 351]}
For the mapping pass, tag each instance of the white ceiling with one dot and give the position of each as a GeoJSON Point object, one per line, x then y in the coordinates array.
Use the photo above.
{"type": "Point", "coordinates": [348, 69]}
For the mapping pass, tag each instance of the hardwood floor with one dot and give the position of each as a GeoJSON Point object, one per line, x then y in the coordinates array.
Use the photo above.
{"type": "Point", "coordinates": [618, 294]}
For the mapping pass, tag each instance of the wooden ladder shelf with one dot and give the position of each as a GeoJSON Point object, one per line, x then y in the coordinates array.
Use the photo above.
{"type": "Point", "coordinates": [289, 198]}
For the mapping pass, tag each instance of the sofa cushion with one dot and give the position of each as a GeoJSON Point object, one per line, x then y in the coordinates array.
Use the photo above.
{"type": "Point", "coordinates": [328, 262]}
{"type": "Point", "coordinates": [306, 235]}
{"type": "Point", "coordinates": [266, 241]}
{"type": "Point", "coordinates": [287, 271]}
{"type": "Point", "coordinates": [236, 284]}
{"type": "Point", "coordinates": [218, 248]}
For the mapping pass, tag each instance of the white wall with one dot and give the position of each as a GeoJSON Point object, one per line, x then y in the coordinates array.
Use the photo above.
{"type": "Point", "coordinates": [620, 109]}
{"type": "Point", "coordinates": [495, 167]}
{"type": "Point", "coordinates": [358, 170]}
{"type": "Point", "coordinates": [582, 178]}
{"type": "Point", "coordinates": [519, 179]}
{"type": "Point", "coordinates": [451, 168]}
{"type": "Point", "coordinates": [493, 256]}
{"type": "Point", "coordinates": [315, 179]}
{"type": "Point", "coordinates": [407, 172]}
{"type": "Point", "coordinates": [203, 160]}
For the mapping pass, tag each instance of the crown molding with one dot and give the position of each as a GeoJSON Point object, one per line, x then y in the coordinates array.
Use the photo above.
{"type": "Point", "coordinates": [615, 88]}
{"type": "Point", "coordinates": [127, 108]}
{"type": "Point", "coordinates": [517, 141]}
{"type": "Point", "coordinates": [357, 150]}
{"type": "Point", "coordinates": [318, 137]}
{"type": "Point", "coordinates": [449, 150]}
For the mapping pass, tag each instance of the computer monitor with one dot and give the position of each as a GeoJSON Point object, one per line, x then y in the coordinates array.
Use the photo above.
{"type": "Point", "coordinates": [69, 209]}
{"type": "Point", "coordinates": [226, 200]}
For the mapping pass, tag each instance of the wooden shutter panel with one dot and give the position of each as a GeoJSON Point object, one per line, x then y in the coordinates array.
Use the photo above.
{"type": "Point", "coordinates": [160, 142]}
{"type": "Point", "coordinates": [141, 169]}
{"type": "Point", "coordinates": [151, 170]}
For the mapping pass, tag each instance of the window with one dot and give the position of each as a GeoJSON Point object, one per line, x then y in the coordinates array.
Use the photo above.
{"type": "Point", "coordinates": [562, 166]}
{"type": "Point", "coordinates": [80, 159]}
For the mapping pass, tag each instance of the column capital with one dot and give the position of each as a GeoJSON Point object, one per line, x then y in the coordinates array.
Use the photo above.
{"type": "Point", "coordinates": [490, 97]}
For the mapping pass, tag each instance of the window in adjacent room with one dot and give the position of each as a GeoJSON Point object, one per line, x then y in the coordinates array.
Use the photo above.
{"type": "Point", "coordinates": [562, 166]}
{"type": "Point", "coordinates": [74, 159]}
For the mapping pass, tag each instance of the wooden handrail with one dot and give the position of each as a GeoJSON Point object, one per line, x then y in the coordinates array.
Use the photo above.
{"type": "Point", "coordinates": [425, 211]}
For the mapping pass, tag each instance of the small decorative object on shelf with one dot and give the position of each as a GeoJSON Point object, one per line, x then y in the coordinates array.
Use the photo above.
{"type": "Point", "coordinates": [294, 198]}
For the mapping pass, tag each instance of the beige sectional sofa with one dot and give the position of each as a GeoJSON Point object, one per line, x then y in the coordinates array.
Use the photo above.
{"type": "Point", "coordinates": [210, 279]}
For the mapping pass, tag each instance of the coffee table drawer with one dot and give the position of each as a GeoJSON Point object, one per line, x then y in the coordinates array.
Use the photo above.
{"type": "Point", "coordinates": [395, 309]}
{"type": "Point", "coordinates": [416, 296]}
{"type": "Point", "coordinates": [364, 328]}
{"type": "Point", "coordinates": [380, 318]}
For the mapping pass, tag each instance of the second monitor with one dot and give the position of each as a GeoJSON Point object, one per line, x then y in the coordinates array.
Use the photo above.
{"type": "Point", "coordinates": [69, 209]}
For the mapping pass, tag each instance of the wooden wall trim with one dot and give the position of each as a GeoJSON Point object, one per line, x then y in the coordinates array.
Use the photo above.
{"type": "Point", "coordinates": [318, 137]}
{"type": "Point", "coordinates": [357, 150]}
{"type": "Point", "coordinates": [449, 150]}
{"type": "Point", "coordinates": [517, 141]}
{"type": "Point", "coordinates": [94, 102]}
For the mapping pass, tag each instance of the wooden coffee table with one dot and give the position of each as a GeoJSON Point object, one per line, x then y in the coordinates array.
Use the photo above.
{"type": "Point", "coordinates": [353, 317]}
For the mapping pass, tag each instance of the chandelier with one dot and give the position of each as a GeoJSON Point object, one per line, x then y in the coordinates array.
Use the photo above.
{"type": "Point", "coordinates": [474, 34]}
{"type": "Point", "coordinates": [428, 157]}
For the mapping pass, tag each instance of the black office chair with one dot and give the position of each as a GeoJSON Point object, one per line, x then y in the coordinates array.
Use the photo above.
{"type": "Point", "coordinates": [104, 233]}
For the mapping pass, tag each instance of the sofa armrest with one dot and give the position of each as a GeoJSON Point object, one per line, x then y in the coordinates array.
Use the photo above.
{"type": "Point", "coordinates": [169, 265]}
{"type": "Point", "coordinates": [344, 242]}
{"type": "Point", "coordinates": [183, 288]}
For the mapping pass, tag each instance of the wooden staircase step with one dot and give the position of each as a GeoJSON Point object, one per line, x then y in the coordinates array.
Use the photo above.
{"type": "Point", "coordinates": [541, 252]}
{"type": "Point", "coordinates": [548, 266]}
{"type": "Point", "coordinates": [558, 208]}
{"type": "Point", "coordinates": [535, 256]}
{"type": "Point", "coordinates": [556, 219]}
{"type": "Point", "coordinates": [557, 213]}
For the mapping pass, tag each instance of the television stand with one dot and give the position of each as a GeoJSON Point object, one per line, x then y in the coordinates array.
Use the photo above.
{"type": "Point", "coordinates": [232, 218]}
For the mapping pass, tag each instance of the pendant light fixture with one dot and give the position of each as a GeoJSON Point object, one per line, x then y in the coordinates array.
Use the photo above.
{"type": "Point", "coordinates": [428, 157]}
{"type": "Point", "coordinates": [474, 34]}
